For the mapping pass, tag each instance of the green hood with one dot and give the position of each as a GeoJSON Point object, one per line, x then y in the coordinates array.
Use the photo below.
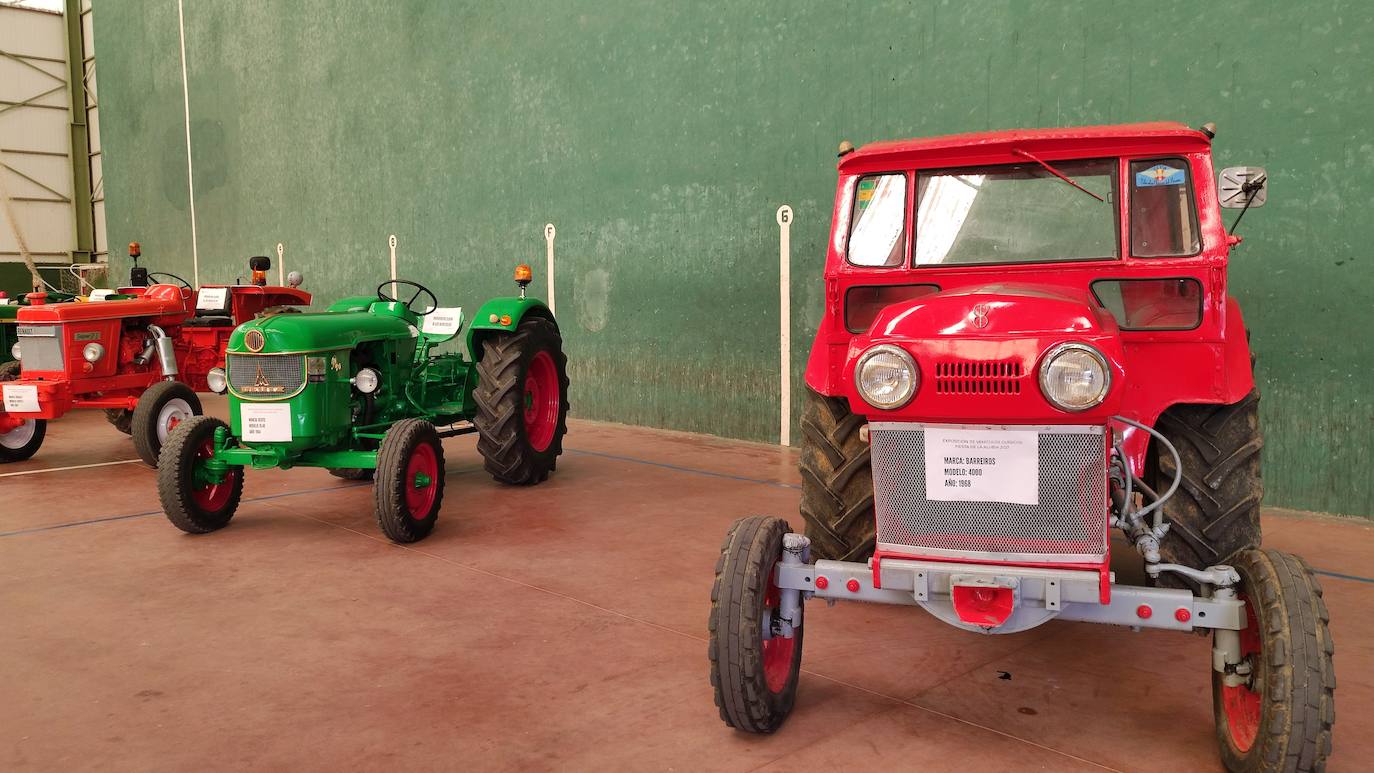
{"type": "Point", "coordinates": [323, 331]}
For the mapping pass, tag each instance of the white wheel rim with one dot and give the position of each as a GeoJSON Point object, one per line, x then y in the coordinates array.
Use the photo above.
{"type": "Point", "coordinates": [20, 435]}
{"type": "Point", "coordinates": [175, 411]}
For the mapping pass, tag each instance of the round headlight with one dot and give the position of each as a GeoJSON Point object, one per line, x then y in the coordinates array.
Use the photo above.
{"type": "Point", "coordinates": [367, 380]}
{"type": "Point", "coordinates": [886, 377]}
{"type": "Point", "coordinates": [1074, 377]}
{"type": "Point", "coordinates": [14, 351]}
{"type": "Point", "coordinates": [216, 380]}
{"type": "Point", "coordinates": [93, 352]}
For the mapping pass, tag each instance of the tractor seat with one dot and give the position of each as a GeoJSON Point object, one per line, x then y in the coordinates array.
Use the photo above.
{"type": "Point", "coordinates": [207, 321]}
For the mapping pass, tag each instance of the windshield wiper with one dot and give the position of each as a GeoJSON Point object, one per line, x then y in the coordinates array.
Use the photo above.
{"type": "Point", "coordinates": [1057, 173]}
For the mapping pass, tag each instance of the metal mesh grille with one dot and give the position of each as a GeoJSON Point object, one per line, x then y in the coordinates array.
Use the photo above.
{"type": "Point", "coordinates": [40, 352]}
{"type": "Point", "coordinates": [1068, 524]}
{"type": "Point", "coordinates": [266, 376]}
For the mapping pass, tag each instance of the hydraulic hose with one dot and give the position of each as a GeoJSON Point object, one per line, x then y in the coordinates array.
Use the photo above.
{"type": "Point", "coordinates": [1154, 507]}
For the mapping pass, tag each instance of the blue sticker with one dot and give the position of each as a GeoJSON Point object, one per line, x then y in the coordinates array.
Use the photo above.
{"type": "Point", "coordinates": [1159, 174]}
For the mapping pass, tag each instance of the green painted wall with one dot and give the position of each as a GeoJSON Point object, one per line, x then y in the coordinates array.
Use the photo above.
{"type": "Point", "coordinates": [661, 138]}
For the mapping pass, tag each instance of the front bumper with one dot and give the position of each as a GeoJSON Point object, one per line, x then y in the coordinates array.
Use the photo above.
{"type": "Point", "coordinates": [44, 399]}
{"type": "Point", "coordinates": [1037, 595]}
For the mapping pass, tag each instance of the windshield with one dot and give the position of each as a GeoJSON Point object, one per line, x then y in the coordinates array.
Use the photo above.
{"type": "Point", "coordinates": [1017, 213]}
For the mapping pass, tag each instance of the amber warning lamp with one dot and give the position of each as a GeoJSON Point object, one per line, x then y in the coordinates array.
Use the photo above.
{"type": "Point", "coordinates": [138, 275]}
{"type": "Point", "coordinates": [523, 276]}
{"type": "Point", "coordinates": [259, 265]}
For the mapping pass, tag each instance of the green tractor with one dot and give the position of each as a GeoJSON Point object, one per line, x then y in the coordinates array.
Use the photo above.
{"type": "Point", "coordinates": [358, 389]}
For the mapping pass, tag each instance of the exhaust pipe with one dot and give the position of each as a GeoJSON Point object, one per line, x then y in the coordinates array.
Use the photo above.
{"type": "Point", "coordinates": [166, 353]}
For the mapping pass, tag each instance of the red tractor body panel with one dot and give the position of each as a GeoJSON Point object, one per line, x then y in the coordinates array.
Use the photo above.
{"type": "Point", "coordinates": [988, 374]}
{"type": "Point", "coordinates": [116, 380]}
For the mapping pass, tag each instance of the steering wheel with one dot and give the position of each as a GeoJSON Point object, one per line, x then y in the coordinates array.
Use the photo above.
{"type": "Point", "coordinates": [183, 282]}
{"type": "Point", "coordinates": [419, 290]}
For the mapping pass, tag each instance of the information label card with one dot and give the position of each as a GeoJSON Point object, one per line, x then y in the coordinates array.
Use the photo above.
{"type": "Point", "coordinates": [266, 423]}
{"type": "Point", "coordinates": [21, 398]}
{"type": "Point", "coordinates": [982, 465]}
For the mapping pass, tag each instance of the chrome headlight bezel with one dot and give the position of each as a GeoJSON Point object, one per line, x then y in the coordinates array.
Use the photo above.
{"type": "Point", "coordinates": [217, 380]}
{"type": "Point", "coordinates": [367, 381]}
{"type": "Point", "coordinates": [1058, 351]}
{"type": "Point", "coordinates": [14, 351]}
{"type": "Point", "coordinates": [905, 359]}
{"type": "Point", "coordinates": [92, 352]}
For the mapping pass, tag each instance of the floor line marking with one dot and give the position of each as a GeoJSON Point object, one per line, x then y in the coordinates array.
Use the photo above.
{"type": "Point", "coordinates": [681, 468]}
{"type": "Point", "coordinates": [666, 629]}
{"type": "Point", "coordinates": [1339, 576]}
{"type": "Point", "coordinates": [72, 467]}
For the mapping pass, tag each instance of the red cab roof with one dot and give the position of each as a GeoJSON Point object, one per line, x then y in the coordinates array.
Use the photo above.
{"type": "Point", "coordinates": [997, 146]}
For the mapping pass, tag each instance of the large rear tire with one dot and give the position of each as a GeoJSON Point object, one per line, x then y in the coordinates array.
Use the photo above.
{"type": "Point", "coordinates": [23, 441]}
{"type": "Point", "coordinates": [159, 410]}
{"type": "Point", "coordinates": [1281, 719]}
{"type": "Point", "coordinates": [409, 486]}
{"type": "Point", "coordinates": [1215, 513]}
{"type": "Point", "coordinates": [191, 503]}
{"type": "Point", "coordinates": [755, 678]}
{"type": "Point", "coordinates": [522, 402]}
{"type": "Point", "coordinates": [837, 480]}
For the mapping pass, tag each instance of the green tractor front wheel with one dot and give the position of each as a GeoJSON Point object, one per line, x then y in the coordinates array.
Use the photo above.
{"type": "Point", "coordinates": [522, 402]}
{"type": "Point", "coordinates": [409, 485]}
{"type": "Point", "coordinates": [196, 498]}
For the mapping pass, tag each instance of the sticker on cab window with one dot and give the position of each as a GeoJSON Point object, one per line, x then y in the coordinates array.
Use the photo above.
{"type": "Point", "coordinates": [1159, 174]}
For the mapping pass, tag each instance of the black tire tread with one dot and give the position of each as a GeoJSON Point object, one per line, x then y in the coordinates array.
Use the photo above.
{"type": "Point", "coordinates": [121, 419]}
{"type": "Point", "coordinates": [173, 473]}
{"type": "Point", "coordinates": [352, 473]}
{"type": "Point", "coordinates": [499, 394]}
{"type": "Point", "coordinates": [142, 423]}
{"type": "Point", "coordinates": [1215, 513]}
{"type": "Point", "coordinates": [388, 488]}
{"type": "Point", "coordinates": [837, 480]}
{"type": "Point", "coordinates": [1299, 679]}
{"type": "Point", "coordinates": [750, 549]}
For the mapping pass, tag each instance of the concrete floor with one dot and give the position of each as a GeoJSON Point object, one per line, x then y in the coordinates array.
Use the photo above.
{"type": "Point", "coordinates": [561, 626]}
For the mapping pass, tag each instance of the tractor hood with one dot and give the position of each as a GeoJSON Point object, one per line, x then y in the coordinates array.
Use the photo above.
{"type": "Point", "coordinates": [993, 310]}
{"type": "Point", "coordinates": [324, 331]}
{"type": "Point", "coordinates": [979, 349]}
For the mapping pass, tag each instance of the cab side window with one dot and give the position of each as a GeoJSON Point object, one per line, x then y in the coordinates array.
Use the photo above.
{"type": "Point", "coordinates": [877, 234]}
{"type": "Point", "coordinates": [1163, 218]}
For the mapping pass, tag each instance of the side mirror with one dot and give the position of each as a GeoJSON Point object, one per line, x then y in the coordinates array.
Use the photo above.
{"type": "Point", "coordinates": [1240, 187]}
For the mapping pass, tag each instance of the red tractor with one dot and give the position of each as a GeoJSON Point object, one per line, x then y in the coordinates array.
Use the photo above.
{"type": "Point", "coordinates": [1027, 344]}
{"type": "Point", "coordinates": [140, 353]}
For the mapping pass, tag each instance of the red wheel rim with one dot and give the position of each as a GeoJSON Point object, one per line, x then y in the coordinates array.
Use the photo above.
{"type": "Point", "coordinates": [421, 481]}
{"type": "Point", "coordinates": [213, 496]}
{"type": "Point", "coordinates": [777, 651]}
{"type": "Point", "coordinates": [1241, 703]}
{"type": "Point", "coordinates": [541, 401]}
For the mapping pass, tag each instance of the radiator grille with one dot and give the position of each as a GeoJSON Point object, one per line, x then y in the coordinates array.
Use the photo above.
{"type": "Point", "coordinates": [1068, 524]}
{"type": "Point", "coordinates": [266, 377]}
{"type": "Point", "coordinates": [40, 347]}
{"type": "Point", "coordinates": [972, 377]}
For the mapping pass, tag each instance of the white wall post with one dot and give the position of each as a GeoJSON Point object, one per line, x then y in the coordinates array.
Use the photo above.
{"type": "Point", "coordinates": [784, 217]}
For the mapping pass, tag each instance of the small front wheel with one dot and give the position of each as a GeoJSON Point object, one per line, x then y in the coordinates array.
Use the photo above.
{"type": "Point", "coordinates": [1280, 716]}
{"type": "Point", "coordinates": [409, 486]}
{"type": "Point", "coordinates": [754, 672]}
{"type": "Point", "coordinates": [24, 440]}
{"type": "Point", "coordinates": [158, 411]}
{"type": "Point", "coordinates": [195, 499]}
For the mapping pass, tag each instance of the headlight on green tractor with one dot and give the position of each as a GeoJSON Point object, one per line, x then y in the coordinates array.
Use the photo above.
{"type": "Point", "coordinates": [887, 377]}
{"type": "Point", "coordinates": [1074, 377]}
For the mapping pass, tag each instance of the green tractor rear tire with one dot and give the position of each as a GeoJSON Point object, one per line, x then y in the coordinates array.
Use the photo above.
{"type": "Point", "coordinates": [837, 480]}
{"type": "Point", "coordinates": [194, 505]}
{"type": "Point", "coordinates": [1215, 513]}
{"type": "Point", "coordinates": [522, 402]}
{"type": "Point", "coordinates": [159, 410]}
{"type": "Point", "coordinates": [409, 486]}
{"type": "Point", "coordinates": [24, 441]}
